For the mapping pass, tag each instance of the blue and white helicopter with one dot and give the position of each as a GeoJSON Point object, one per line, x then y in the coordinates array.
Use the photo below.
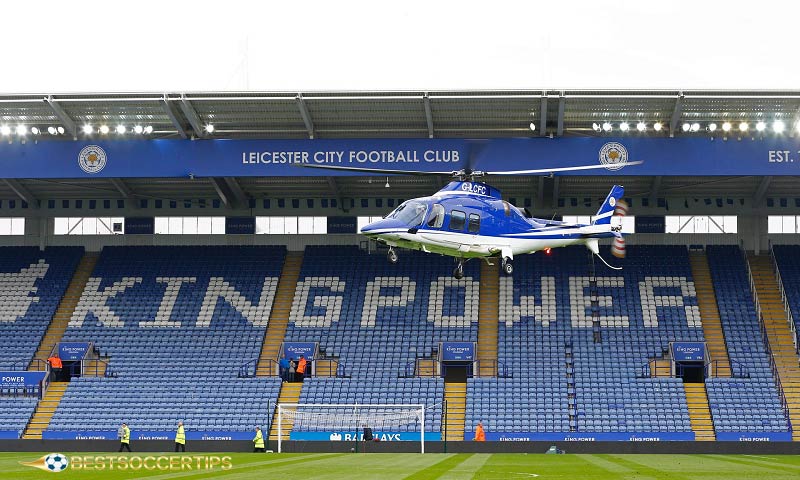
{"type": "Point", "coordinates": [468, 219]}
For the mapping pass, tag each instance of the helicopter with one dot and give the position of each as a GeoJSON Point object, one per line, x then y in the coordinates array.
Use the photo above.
{"type": "Point", "coordinates": [469, 219]}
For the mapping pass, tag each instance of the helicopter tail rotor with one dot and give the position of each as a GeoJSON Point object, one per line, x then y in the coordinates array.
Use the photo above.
{"type": "Point", "coordinates": [618, 245]}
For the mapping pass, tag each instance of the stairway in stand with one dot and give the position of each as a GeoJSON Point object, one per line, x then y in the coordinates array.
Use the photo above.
{"type": "Point", "coordinates": [290, 393]}
{"type": "Point", "coordinates": [64, 311]}
{"type": "Point", "coordinates": [709, 314]}
{"type": "Point", "coordinates": [45, 410]}
{"type": "Point", "coordinates": [488, 314]}
{"type": "Point", "coordinates": [455, 394]}
{"type": "Point", "coordinates": [699, 411]}
{"type": "Point", "coordinates": [779, 334]}
{"type": "Point", "coordinates": [279, 316]}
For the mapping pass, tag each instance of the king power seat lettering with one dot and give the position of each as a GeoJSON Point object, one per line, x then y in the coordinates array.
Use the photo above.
{"type": "Point", "coordinates": [325, 296]}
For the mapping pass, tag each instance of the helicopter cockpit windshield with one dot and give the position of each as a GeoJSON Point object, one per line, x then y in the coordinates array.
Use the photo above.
{"type": "Point", "coordinates": [411, 213]}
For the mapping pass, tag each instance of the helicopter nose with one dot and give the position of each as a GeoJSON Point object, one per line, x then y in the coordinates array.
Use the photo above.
{"type": "Point", "coordinates": [384, 227]}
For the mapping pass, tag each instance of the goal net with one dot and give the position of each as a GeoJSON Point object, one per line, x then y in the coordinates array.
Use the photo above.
{"type": "Point", "coordinates": [346, 422]}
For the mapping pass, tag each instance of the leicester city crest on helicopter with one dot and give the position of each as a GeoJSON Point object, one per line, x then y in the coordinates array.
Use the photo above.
{"type": "Point", "coordinates": [613, 156]}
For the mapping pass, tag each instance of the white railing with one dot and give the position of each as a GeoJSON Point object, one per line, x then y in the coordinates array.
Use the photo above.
{"type": "Point", "coordinates": [786, 307]}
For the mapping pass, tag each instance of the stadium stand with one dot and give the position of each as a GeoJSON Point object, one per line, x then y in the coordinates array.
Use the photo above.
{"type": "Point", "coordinates": [32, 282]}
{"type": "Point", "coordinates": [544, 321]}
{"type": "Point", "coordinates": [175, 357]}
{"type": "Point", "coordinates": [376, 324]}
{"type": "Point", "coordinates": [15, 413]}
{"type": "Point", "coordinates": [742, 404]}
{"type": "Point", "coordinates": [788, 261]}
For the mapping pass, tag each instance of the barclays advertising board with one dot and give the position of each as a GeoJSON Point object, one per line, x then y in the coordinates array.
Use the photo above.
{"type": "Point", "coordinates": [241, 158]}
{"type": "Point", "coordinates": [342, 436]}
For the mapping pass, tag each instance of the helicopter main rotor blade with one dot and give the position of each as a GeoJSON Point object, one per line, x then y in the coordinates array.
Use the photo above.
{"type": "Point", "coordinates": [542, 171]}
{"type": "Point", "coordinates": [380, 171]}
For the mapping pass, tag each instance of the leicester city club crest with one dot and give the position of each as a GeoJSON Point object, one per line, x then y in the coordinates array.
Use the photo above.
{"type": "Point", "coordinates": [613, 156]}
{"type": "Point", "coordinates": [92, 159]}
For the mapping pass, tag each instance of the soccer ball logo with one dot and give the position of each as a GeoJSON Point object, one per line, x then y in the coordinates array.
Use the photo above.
{"type": "Point", "coordinates": [56, 462]}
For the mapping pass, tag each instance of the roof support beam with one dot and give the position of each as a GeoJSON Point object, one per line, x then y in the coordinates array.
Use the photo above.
{"type": "Point", "coordinates": [165, 104]}
{"type": "Point", "coordinates": [555, 192]}
{"type": "Point", "coordinates": [301, 104]}
{"type": "Point", "coordinates": [66, 120]}
{"type": "Point", "coordinates": [191, 115]}
{"type": "Point", "coordinates": [761, 191]}
{"type": "Point", "coordinates": [219, 187]}
{"type": "Point", "coordinates": [562, 103]}
{"type": "Point", "coordinates": [238, 193]}
{"type": "Point", "coordinates": [23, 193]}
{"type": "Point", "coordinates": [540, 193]}
{"type": "Point", "coordinates": [654, 189]}
{"type": "Point", "coordinates": [125, 191]}
{"type": "Point", "coordinates": [543, 115]}
{"type": "Point", "coordinates": [336, 192]}
{"type": "Point", "coordinates": [676, 114]}
{"type": "Point", "coordinates": [426, 98]}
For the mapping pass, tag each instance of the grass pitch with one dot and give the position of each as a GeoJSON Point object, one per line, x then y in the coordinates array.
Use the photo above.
{"type": "Point", "coordinates": [437, 466]}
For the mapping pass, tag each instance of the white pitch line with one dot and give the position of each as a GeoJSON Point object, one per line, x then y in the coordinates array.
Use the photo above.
{"type": "Point", "coordinates": [758, 456]}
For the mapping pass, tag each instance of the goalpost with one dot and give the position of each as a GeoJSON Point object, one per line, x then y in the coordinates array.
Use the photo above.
{"type": "Point", "coordinates": [349, 418]}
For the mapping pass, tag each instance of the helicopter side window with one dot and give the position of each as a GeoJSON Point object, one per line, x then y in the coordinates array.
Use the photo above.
{"type": "Point", "coordinates": [437, 216]}
{"type": "Point", "coordinates": [457, 220]}
{"type": "Point", "coordinates": [474, 223]}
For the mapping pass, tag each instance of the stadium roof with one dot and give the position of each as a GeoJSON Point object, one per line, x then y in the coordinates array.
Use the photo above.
{"type": "Point", "coordinates": [389, 114]}
{"type": "Point", "coordinates": [394, 114]}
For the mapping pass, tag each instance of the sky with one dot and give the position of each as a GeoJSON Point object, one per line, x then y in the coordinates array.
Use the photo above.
{"type": "Point", "coordinates": [232, 45]}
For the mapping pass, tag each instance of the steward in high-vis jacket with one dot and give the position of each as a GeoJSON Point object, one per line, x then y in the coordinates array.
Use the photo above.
{"type": "Point", "coordinates": [180, 438]}
{"type": "Point", "coordinates": [124, 437]}
{"type": "Point", "coordinates": [301, 369]}
{"type": "Point", "coordinates": [480, 435]}
{"type": "Point", "coordinates": [258, 441]}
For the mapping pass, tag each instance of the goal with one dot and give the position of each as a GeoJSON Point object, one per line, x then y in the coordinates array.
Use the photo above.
{"type": "Point", "coordinates": [338, 422]}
